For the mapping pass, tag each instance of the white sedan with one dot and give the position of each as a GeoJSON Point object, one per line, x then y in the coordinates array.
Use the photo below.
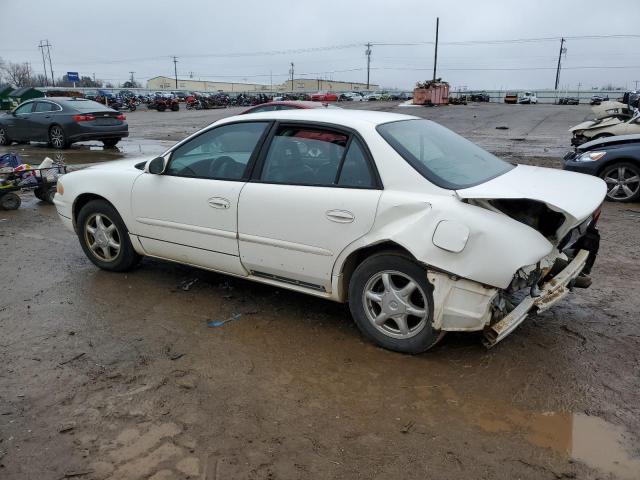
{"type": "Point", "coordinates": [419, 230]}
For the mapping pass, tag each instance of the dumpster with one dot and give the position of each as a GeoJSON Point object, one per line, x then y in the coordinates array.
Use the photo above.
{"type": "Point", "coordinates": [431, 92]}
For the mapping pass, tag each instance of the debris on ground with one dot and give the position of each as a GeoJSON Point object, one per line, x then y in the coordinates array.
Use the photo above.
{"type": "Point", "coordinates": [502, 127]}
{"type": "Point", "coordinates": [219, 323]}
{"type": "Point", "coordinates": [67, 427]}
{"type": "Point", "coordinates": [80, 355]}
{"type": "Point", "coordinates": [187, 284]}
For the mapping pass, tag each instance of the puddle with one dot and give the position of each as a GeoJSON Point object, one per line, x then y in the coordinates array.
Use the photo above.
{"type": "Point", "coordinates": [590, 440]}
{"type": "Point", "coordinates": [86, 153]}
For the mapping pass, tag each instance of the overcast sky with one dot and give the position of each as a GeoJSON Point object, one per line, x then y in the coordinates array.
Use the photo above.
{"type": "Point", "coordinates": [115, 37]}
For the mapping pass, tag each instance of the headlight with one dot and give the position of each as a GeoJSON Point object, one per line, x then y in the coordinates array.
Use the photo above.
{"type": "Point", "coordinates": [590, 156]}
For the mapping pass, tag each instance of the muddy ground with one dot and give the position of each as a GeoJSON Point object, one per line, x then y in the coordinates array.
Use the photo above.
{"type": "Point", "coordinates": [119, 375]}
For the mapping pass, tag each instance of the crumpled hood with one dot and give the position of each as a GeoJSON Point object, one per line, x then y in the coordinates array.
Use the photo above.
{"type": "Point", "coordinates": [589, 124]}
{"type": "Point", "coordinates": [575, 194]}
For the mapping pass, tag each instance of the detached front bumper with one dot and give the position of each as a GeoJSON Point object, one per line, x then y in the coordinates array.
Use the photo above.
{"type": "Point", "coordinates": [550, 293]}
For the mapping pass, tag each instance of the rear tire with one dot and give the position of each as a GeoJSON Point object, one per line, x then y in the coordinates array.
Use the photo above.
{"type": "Point", "coordinates": [4, 136]}
{"type": "Point", "coordinates": [10, 201]}
{"type": "Point", "coordinates": [104, 237]}
{"type": "Point", "coordinates": [110, 142]}
{"type": "Point", "coordinates": [391, 302]}
{"type": "Point", "coordinates": [57, 138]}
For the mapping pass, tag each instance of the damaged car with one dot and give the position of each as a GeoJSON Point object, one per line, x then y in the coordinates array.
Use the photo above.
{"type": "Point", "coordinates": [419, 230]}
{"type": "Point", "coordinates": [611, 125]}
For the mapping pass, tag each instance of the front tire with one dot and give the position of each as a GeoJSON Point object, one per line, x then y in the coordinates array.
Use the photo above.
{"type": "Point", "coordinates": [391, 302]}
{"type": "Point", "coordinates": [104, 237]}
{"type": "Point", "coordinates": [623, 182]}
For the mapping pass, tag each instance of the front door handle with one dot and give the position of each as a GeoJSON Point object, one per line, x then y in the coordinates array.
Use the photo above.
{"type": "Point", "coordinates": [340, 216]}
{"type": "Point", "coordinates": [219, 202]}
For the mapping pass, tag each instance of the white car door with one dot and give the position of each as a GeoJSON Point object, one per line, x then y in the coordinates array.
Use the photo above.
{"type": "Point", "coordinates": [189, 212]}
{"type": "Point", "coordinates": [315, 192]}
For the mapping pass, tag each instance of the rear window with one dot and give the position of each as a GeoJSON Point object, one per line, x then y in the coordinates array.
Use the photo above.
{"type": "Point", "coordinates": [83, 105]}
{"type": "Point", "coordinates": [441, 156]}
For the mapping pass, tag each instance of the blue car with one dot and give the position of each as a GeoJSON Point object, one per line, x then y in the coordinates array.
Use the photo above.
{"type": "Point", "coordinates": [614, 159]}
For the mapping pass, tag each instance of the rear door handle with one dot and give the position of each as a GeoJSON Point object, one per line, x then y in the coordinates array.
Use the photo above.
{"type": "Point", "coordinates": [219, 202]}
{"type": "Point", "coordinates": [340, 216]}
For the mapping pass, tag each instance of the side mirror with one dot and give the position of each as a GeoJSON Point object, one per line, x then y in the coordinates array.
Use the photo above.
{"type": "Point", "coordinates": [155, 166]}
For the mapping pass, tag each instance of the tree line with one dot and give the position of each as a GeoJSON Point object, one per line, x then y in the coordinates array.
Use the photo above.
{"type": "Point", "coordinates": [21, 75]}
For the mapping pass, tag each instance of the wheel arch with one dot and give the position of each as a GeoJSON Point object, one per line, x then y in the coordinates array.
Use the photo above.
{"type": "Point", "coordinates": [359, 255]}
{"type": "Point", "coordinates": [614, 161]}
{"type": "Point", "coordinates": [84, 198]}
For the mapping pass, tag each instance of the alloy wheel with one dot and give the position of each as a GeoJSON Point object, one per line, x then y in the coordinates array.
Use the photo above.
{"type": "Point", "coordinates": [3, 136]}
{"type": "Point", "coordinates": [622, 181]}
{"type": "Point", "coordinates": [57, 137]}
{"type": "Point", "coordinates": [102, 237]}
{"type": "Point", "coordinates": [395, 304]}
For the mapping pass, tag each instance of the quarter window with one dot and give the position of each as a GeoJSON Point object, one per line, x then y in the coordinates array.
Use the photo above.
{"type": "Point", "coordinates": [356, 171]}
{"type": "Point", "coordinates": [221, 153]}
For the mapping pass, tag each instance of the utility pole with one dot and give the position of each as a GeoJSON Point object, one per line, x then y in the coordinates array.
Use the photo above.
{"type": "Point", "coordinates": [562, 50]}
{"type": "Point", "coordinates": [44, 63]}
{"type": "Point", "coordinates": [175, 69]}
{"type": "Point", "coordinates": [291, 70]}
{"type": "Point", "coordinates": [435, 57]}
{"type": "Point", "coordinates": [368, 54]}
{"type": "Point", "coordinates": [47, 46]}
{"type": "Point", "coordinates": [132, 80]}
{"type": "Point", "coordinates": [636, 82]}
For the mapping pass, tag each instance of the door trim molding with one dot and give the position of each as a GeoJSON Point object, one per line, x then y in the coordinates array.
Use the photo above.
{"type": "Point", "coordinates": [273, 242]}
{"type": "Point", "coordinates": [189, 228]}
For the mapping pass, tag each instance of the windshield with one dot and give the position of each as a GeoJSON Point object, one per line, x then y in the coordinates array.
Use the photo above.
{"type": "Point", "coordinates": [441, 156]}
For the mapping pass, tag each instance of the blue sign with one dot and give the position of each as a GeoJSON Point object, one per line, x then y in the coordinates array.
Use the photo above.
{"type": "Point", "coordinates": [73, 77]}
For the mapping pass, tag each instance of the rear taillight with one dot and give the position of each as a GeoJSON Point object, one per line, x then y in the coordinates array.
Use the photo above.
{"type": "Point", "coordinates": [83, 118]}
{"type": "Point", "coordinates": [121, 117]}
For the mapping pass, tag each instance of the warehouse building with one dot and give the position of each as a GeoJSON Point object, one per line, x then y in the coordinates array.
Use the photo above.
{"type": "Point", "coordinates": [299, 85]}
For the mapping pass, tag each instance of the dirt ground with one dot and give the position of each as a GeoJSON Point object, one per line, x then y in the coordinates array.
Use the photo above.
{"type": "Point", "coordinates": [120, 376]}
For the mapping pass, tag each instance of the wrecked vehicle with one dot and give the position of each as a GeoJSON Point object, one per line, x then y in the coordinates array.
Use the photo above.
{"type": "Point", "coordinates": [608, 126]}
{"type": "Point", "coordinates": [421, 231]}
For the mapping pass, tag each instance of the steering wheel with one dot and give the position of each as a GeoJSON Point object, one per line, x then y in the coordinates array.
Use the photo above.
{"type": "Point", "coordinates": [186, 168]}
{"type": "Point", "coordinates": [218, 166]}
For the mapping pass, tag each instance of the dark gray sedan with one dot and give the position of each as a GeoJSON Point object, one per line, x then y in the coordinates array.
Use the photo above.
{"type": "Point", "coordinates": [61, 121]}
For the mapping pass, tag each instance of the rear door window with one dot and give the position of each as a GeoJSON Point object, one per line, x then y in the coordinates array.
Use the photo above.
{"type": "Point", "coordinates": [301, 155]}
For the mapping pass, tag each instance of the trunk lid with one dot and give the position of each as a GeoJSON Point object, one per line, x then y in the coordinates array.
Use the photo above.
{"type": "Point", "coordinates": [574, 194]}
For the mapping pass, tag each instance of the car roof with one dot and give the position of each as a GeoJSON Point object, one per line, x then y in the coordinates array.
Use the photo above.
{"type": "Point", "coordinates": [348, 118]}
